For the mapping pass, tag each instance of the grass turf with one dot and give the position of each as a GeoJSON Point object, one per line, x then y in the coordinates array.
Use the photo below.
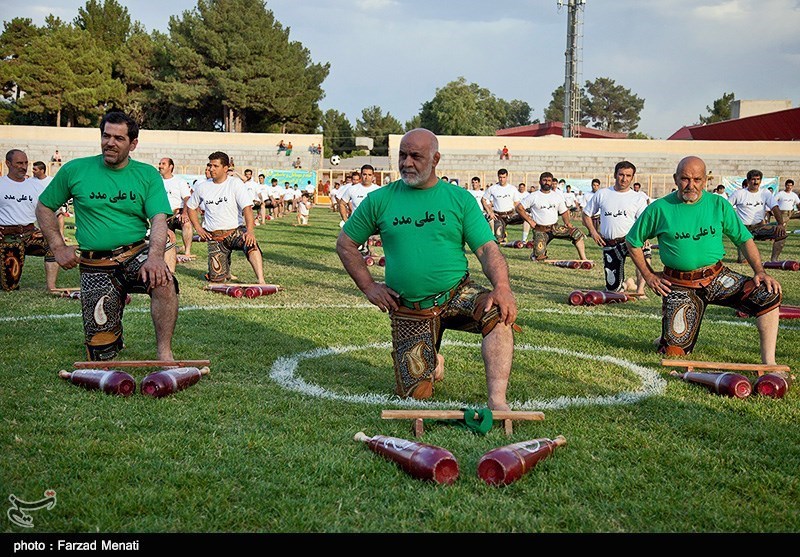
{"type": "Point", "coordinates": [265, 442]}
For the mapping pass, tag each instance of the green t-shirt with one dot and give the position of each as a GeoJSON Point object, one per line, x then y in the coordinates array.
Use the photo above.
{"type": "Point", "coordinates": [423, 232]}
{"type": "Point", "coordinates": [112, 206]}
{"type": "Point", "coordinates": [689, 234]}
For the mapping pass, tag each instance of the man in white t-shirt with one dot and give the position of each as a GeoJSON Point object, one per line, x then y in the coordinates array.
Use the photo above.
{"type": "Point", "coordinates": [19, 235]}
{"type": "Point", "coordinates": [595, 187]}
{"type": "Point", "coordinates": [265, 200]}
{"type": "Point", "coordinates": [751, 204]}
{"type": "Point", "coordinates": [571, 200]}
{"type": "Point", "coordinates": [344, 206]}
{"type": "Point", "coordinates": [788, 200]}
{"type": "Point", "coordinates": [39, 171]}
{"type": "Point", "coordinates": [619, 206]}
{"type": "Point", "coordinates": [720, 191]}
{"type": "Point", "coordinates": [500, 201]}
{"type": "Point", "coordinates": [477, 192]}
{"type": "Point", "coordinates": [541, 210]}
{"type": "Point", "coordinates": [637, 187]}
{"type": "Point", "coordinates": [359, 191]}
{"type": "Point", "coordinates": [178, 193]}
{"type": "Point", "coordinates": [223, 199]}
{"type": "Point", "coordinates": [276, 194]}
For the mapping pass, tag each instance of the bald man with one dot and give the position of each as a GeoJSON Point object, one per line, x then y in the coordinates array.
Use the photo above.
{"type": "Point", "coordinates": [689, 224]}
{"type": "Point", "coordinates": [424, 223]}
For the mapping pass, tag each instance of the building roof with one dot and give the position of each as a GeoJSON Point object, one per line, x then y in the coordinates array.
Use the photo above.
{"type": "Point", "coordinates": [557, 128]}
{"type": "Point", "coordinates": [783, 125]}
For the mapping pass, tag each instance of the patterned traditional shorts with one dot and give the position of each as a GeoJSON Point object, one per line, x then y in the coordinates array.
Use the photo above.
{"type": "Point", "coordinates": [13, 249]}
{"type": "Point", "coordinates": [544, 235]}
{"type": "Point", "coordinates": [219, 252]}
{"type": "Point", "coordinates": [502, 220]}
{"type": "Point", "coordinates": [614, 255]}
{"type": "Point", "coordinates": [104, 286]}
{"type": "Point", "coordinates": [417, 335]}
{"type": "Point", "coordinates": [763, 231]}
{"type": "Point", "coordinates": [683, 307]}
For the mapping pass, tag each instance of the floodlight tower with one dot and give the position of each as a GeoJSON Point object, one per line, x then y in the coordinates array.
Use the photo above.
{"type": "Point", "coordinates": [572, 95]}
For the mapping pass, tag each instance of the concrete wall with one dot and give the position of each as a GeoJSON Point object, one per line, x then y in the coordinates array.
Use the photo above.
{"type": "Point", "coordinates": [655, 160]}
{"type": "Point", "coordinates": [189, 150]}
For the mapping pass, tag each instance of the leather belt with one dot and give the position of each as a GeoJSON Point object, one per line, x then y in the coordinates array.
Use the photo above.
{"type": "Point", "coordinates": [105, 254]}
{"type": "Point", "coordinates": [16, 228]}
{"type": "Point", "coordinates": [543, 227]}
{"type": "Point", "coordinates": [436, 300]}
{"type": "Point", "coordinates": [697, 274]}
{"type": "Point", "coordinates": [614, 241]}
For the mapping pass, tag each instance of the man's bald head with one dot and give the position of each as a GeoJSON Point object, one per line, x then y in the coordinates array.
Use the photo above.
{"type": "Point", "coordinates": [690, 160]}
{"type": "Point", "coordinates": [690, 177]}
{"type": "Point", "coordinates": [418, 157]}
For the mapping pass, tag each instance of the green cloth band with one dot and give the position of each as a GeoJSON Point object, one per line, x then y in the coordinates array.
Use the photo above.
{"type": "Point", "coordinates": [480, 424]}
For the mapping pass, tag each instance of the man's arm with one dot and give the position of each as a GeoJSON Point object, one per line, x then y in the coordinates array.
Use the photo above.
{"type": "Point", "coordinates": [184, 214]}
{"type": "Point", "coordinates": [155, 271]}
{"type": "Point", "coordinates": [589, 224]}
{"type": "Point", "coordinates": [48, 223]}
{"type": "Point", "coordinates": [776, 213]}
{"type": "Point", "coordinates": [654, 280]}
{"type": "Point", "coordinates": [526, 216]}
{"type": "Point", "coordinates": [376, 292]}
{"type": "Point", "coordinates": [496, 270]}
{"type": "Point", "coordinates": [194, 218]}
{"type": "Point", "coordinates": [565, 218]}
{"type": "Point", "coordinates": [250, 223]}
{"type": "Point", "coordinates": [487, 205]}
{"type": "Point", "coordinates": [751, 253]}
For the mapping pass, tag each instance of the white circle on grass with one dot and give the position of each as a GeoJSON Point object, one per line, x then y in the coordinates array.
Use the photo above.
{"type": "Point", "coordinates": [284, 373]}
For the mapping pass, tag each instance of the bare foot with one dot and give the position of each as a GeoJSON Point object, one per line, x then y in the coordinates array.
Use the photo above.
{"type": "Point", "coordinates": [499, 407]}
{"type": "Point", "coordinates": [438, 372]}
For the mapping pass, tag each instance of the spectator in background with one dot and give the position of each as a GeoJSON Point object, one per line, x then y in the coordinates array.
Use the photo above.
{"type": "Point", "coordinates": [504, 153]}
{"type": "Point", "coordinates": [281, 146]}
{"type": "Point", "coordinates": [297, 163]}
{"type": "Point", "coordinates": [289, 149]}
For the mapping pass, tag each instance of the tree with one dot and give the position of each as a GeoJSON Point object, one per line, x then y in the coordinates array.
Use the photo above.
{"type": "Point", "coordinates": [337, 133]}
{"type": "Point", "coordinates": [518, 113]}
{"type": "Point", "coordinates": [555, 110]}
{"type": "Point", "coordinates": [109, 23]}
{"type": "Point", "coordinates": [461, 108]}
{"type": "Point", "coordinates": [414, 123]}
{"type": "Point", "coordinates": [612, 107]}
{"type": "Point", "coordinates": [17, 36]}
{"type": "Point", "coordinates": [232, 57]}
{"type": "Point", "coordinates": [375, 124]}
{"type": "Point", "coordinates": [64, 70]}
{"type": "Point", "coordinates": [720, 111]}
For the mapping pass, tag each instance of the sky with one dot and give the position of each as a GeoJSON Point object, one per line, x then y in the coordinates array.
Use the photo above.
{"type": "Point", "coordinates": [678, 55]}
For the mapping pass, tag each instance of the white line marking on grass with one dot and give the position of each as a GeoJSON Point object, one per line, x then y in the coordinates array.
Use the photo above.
{"type": "Point", "coordinates": [559, 311]}
{"type": "Point", "coordinates": [284, 368]}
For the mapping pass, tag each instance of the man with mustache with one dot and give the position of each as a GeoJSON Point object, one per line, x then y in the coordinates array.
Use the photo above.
{"type": "Point", "coordinates": [114, 199]}
{"type": "Point", "coordinates": [541, 210]}
{"type": "Point", "coordinates": [424, 223]}
{"type": "Point", "coordinates": [689, 224]}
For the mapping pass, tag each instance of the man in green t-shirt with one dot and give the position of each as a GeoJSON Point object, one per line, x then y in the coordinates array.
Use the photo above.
{"type": "Point", "coordinates": [424, 223]}
{"type": "Point", "coordinates": [114, 198]}
{"type": "Point", "coordinates": [689, 224]}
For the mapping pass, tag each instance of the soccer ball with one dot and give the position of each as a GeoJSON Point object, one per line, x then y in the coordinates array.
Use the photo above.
{"type": "Point", "coordinates": [335, 160]}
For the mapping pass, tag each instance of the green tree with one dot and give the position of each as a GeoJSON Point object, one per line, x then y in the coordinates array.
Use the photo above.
{"type": "Point", "coordinates": [414, 123]}
{"type": "Point", "coordinates": [555, 110]}
{"type": "Point", "coordinates": [377, 125]}
{"type": "Point", "coordinates": [720, 111]}
{"type": "Point", "coordinates": [518, 113]}
{"type": "Point", "coordinates": [109, 23]}
{"type": "Point", "coordinates": [612, 107]}
{"type": "Point", "coordinates": [17, 36]}
{"type": "Point", "coordinates": [639, 135]}
{"type": "Point", "coordinates": [64, 71]}
{"type": "Point", "coordinates": [231, 57]}
{"type": "Point", "coordinates": [337, 133]}
{"type": "Point", "coordinates": [461, 108]}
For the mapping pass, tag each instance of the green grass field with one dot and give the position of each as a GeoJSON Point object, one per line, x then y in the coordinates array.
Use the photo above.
{"type": "Point", "coordinates": [265, 442]}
